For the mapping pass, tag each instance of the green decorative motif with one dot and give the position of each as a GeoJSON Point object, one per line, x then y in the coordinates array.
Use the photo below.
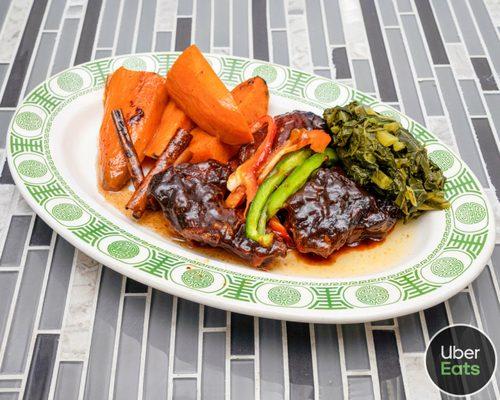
{"type": "Point", "coordinates": [67, 212]}
{"type": "Point", "coordinates": [447, 267]}
{"type": "Point", "coordinates": [327, 92]}
{"type": "Point", "coordinates": [266, 72]}
{"type": "Point", "coordinates": [29, 121]}
{"type": "Point", "coordinates": [443, 159]}
{"type": "Point", "coordinates": [70, 82]}
{"type": "Point", "coordinates": [470, 213]}
{"type": "Point", "coordinates": [197, 278]}
{"type": "Point", "coordinates": [284, 295]}
{"type": "Point", "coordinates": [135, 63]}
{"type": "Point", "coordinates": [123, 249]}
{"type": "Point", "coordinates": [372, 295]}
{"type": "Point", "coordinates": [32, 168]}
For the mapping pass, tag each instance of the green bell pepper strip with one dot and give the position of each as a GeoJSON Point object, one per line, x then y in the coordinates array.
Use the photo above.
{"type": "Point", "coordinates": [293, 183]}
{"type": "Point", "coordinates": [279, 173]}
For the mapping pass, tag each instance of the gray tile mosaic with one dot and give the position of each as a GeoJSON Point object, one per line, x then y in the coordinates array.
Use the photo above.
{"type": "Point", "coordinates": [243, 379]}
{"type": "Point", "coordinates": [355, 350]}
{"type": "Point", "coordinates": [328, 359]}
{"type": "Point", "coordinates": [54, 16]}
{"type": "Point", "coordinates": [299, 361]}
{"type": "Point", "coordinates": [417, 49]}
{"type": "Point", "coordinates": [183, 34]}
{"type": "Point", "coordinates": [68, 381]}
{"type": "Point", "coordinates": [277, 14]}
{"type": "Point", "coordinates": [242, 336]}
{"type": "Point", "coordinates": [184, 389]}
{"type": "Point", "coordinates": [213, 317]}
{"type": "Point", "coordinates": [489, 34]}
{"type": "Point", "coordinates": [42, 367]}
{"type": "Point", "coordinates": [42, 60]}
{"type": "Point", "coordinates": [14, 243]}
{"type": "Point", "coordinates": [20, 64]}
{"type": "Point", "coordinates": [4, 6]}
{"type": "Point", "coordinates": [19, 336]}
{"type": "Point", "coordinates": [259, 30]}
{"type": "Point", "coordinates": [132, 286]}
{"type": "Point", "coordinates": [186, 341]}
{"type": "Point", "coordinates": [185, 7]}
{"type": "Point", "coordinates": [431, 99]}
{"type": "Point", "coordinates": [221, 23]}
{"type": "Point", "coordinates": [41, 234]}
{"type": "Point", "coordinates": [202, 25]}
{"type": "Point", "coordinates": [363, 75]}
{"type": "Point", "coordinates": [410, 331]}
{"type": "Point", "coordinates": [213, 365]}
{"type": "Point", "coordinates": [280, 47]}
{"type": "Point", "coordinates": [383, 322]}
{"type": "Point", "coordinates": [7, 286]}
{"type": "Point", "coordinates": [103, 336]}
{"type": "Point", "coordinates": [466, 24]}
{"type": "Point", "coordinates": [99, 53]}
{"type": "Point", "coordinates": [316, 33]}
{"type": "Point", "coordinates": [471, 96]}
{"type": "Point", "coordinates": [9, 396]}
{"type": "Point", "coordinates": [389, 370]}
{"type": "Point", "coordinates": [129, 349]}
{"type": "Point", "coordinates": [459, 122]}
{"type": "Point", "coordinates": [146, 26]}
{"type": "Point", "coordinates": [341, 63]}
{"type": "Point", "coordinates": [163, 41]}
{"type": "Point", "coordinates": [334, 22]}
{"type": "Point", "coordinates": [435, 318]}
{"type": "Point", "coordinates": [57, 285]}
{"type": "Point", "coordinates": [461, 309]}
{"type": "Point", "coordinates": [271, 359]}
{"type": "Point", "coordinates": [126, 32]}
{"type": "Point", "coordinates": [107, 31]}
{"type": "Point", "coordinates": [446, 21]}
{"type": "Point", "coordinates": [64, 52]}
{"type": "Point", "coordinates": [5, 117]}
{"type": "Point", "coordinates": [241, 29]}
{"type": "Point", "coordinates": [6, 176]}
{"type": "Point", "coordinates": [10, 383]}
{"type": "Point", "coordinates": [323, 72]}
{"type": "Point", "coordinates": [484, 73]}
{"type": "Point", "coordinates": [404, 75]}
{"type": "Point", "coordinates": [489, 148]}
{"type": "Point", "coordinates": [387, 12]}
{"type": "Point", "coordinates": [493, 103]}
{"type": "Point", "coordinates": [431, 31]}
{"type": "Point", "coordinates": [404, 5]}
{"type": "Point", "coordinates": [383, 73]}
{"type": "Point", "coordinates": [157, 347]}
{"type": "Point", "coordinates": [495, 260]}
{"type": "Point", "coordinates": [488, 310]}
{"type": "Point", "coordinates": [88, 33]}
{"type": "Point", "coordinates": [360, 388]}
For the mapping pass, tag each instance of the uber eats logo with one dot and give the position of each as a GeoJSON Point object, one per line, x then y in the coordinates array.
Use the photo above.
{"type": "Point", "coordinates": [460, 360]}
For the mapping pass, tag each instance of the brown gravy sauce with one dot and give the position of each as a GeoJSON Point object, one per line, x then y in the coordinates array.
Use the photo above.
{"type": "Point", "coordinates": [367, 258]}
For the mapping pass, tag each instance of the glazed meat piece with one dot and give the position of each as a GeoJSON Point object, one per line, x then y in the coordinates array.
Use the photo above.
{"type": "Point", "coordinates": [192, 199]}
{"type": "Point", "coordinates": [331, 211]}
{"type": "Point", "coordinates": [284, 125]}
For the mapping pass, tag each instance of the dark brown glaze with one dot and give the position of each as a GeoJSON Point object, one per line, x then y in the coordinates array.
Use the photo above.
{"type": "Point", "coordinates": [331, 211]}
{"type": "Point", "coordinates": [192, 199]}
{"type": "Point", "coordinates": [284, 125]}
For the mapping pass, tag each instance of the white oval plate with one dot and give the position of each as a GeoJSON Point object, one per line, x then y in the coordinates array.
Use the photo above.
{"type": "Point", "coordinates": [52, 149]}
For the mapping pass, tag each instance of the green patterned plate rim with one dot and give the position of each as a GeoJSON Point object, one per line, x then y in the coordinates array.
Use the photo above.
{"type": "Point", "coordinates": [466, 230]}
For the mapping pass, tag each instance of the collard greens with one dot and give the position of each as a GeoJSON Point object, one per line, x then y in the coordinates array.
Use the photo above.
{"type": "Point", "coordinates": [379, 154]}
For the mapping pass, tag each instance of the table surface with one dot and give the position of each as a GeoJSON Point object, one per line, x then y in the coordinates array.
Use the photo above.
{"type": "Point", "coordinates": [73, 329]}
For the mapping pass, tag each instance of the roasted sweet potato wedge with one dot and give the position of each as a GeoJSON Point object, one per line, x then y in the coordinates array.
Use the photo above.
{"type": "Point", "coordinates": [142, 97]}
{"type": "Point", "coordinates": [198, 91]}
{"type": "Point", "coordinates": [252, 98]}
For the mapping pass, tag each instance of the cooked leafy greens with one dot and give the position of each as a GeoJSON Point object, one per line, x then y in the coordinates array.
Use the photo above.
{"type": "Point", "coordinates": [379, 154]}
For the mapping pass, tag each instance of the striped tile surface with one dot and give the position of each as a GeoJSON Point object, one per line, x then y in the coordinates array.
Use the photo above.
{"type": "Point", "coordinates": [73, 329]}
